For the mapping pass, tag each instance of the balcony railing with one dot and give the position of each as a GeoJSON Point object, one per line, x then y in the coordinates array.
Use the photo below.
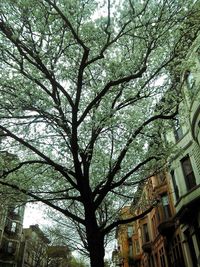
{"type": "Point", "coordinates": [11, 234]}
{"type": "Point", "coordinates": [147, 247]}
{"type": "Point", "coordinates": [7, 254]}
{"type": "Point", "coordinates": [167, 227]}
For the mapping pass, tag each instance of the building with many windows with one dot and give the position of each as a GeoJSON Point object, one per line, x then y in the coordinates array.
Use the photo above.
{"type": "Point", "coordinates": [24, 247]}
{"type": "Point", "coordinates": [11, 217]}
{"type": "Point", "coordinates": [169, 236]}
{"type": "Point", "coordinates": [11, 229]}
{"type": "Point", "coordinates": [154, 240]}
{"type": "Point", "coordinates": [33, 248]}
{"type": "Point", "coordinates": [184, 166]}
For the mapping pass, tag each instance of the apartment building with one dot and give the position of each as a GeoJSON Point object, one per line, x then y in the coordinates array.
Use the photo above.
{"type": "Point", "coordinates": [23, 247]}
{"type": "Point", "coordinates": [124, 234]}
{"type": "Point", "coordinates": [184, 166]}
{"type": "Point", "coordinates": [33, 248]}
{"type": "Point", "coordinates": [11, 219]}
{"type": "Point", "coordinates": [154, 240]}
{"type": "Point", "coordinates": [170, 234]}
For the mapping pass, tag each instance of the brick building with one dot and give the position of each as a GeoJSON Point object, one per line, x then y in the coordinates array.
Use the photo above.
{"type": "Point", "coordinates": [169, 236]}
{"type": "Point", "coordinates": [154, 240]}
{"type": "Point", "coordinates": [11, 219]}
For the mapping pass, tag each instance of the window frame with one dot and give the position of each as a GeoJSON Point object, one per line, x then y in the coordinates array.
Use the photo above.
{"type": "Point", "coordinates": [175, 186]}
{"type": "Point", "coordinates": [177, 129]}
{"type": "Point", "coordinates": [13, 227]}
{"type": "Point", "coordinates": [189, 177]}
{"type": "Point", "coordinates": [11, 247]}
{"type": "Point", "coordinates": [166, 207]}
{"type": "Point", "coordinates": [130, 231]}
{"type": "Point", "coordinates": [190, 80]}
{"type": "Point", "coordinates": [146, 237]}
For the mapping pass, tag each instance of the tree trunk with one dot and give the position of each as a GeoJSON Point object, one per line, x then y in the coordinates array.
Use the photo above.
{"type": "Point", "coordinates": [96, 250]}
{"type": "Point", "coordinates": [95, 238]}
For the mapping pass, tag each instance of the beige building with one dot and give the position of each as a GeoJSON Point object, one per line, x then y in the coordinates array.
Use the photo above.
{"type": "Point", "coordinates": [36, 252]}
{"type": "Point", "coordinates": [124, 255]}
{"type": "Point", "coordinates": [33, 249]}
{"type": "Point", "coordinates": [154, 240]}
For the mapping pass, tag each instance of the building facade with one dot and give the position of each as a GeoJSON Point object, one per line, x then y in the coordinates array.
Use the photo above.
{"type": "Point", "coordinates": [58, 256]}
{"type": "Point", "coordinates": [27, 247]}
{"type": "Point", "coordinates": [11, 219]}
{"type": "Point", "coordinates": [33, 248]}
{"type": "Point", "coordinates": [169, 236]}
{"type": "Point", "coordinates": [184, 166]}
{"type": "Point", "coordinates": [154, 240]}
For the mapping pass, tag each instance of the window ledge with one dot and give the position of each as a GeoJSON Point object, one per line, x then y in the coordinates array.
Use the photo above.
{"type": "Point", "coordinates": [186, 194]}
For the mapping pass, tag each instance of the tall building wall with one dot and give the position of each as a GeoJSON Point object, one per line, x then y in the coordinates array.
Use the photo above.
{"type": "Point", "coordinates": [156, 238]}
{"type": "Point", "coordinates": [172, 229]}
{"type": "Point", "coordinates": [11, 230]}
{"type": "Point", "coordinates": [185, 165]}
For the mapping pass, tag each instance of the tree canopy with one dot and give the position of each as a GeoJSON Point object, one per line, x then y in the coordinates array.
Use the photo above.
{"type": "Point", "coordinates": [84, 87]}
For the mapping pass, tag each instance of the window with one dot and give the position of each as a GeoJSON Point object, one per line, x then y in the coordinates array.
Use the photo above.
{"type": "Point", "coordinates": [158, 215]}
{"type": "Point", "coordinates": [156, 259]}
{"type": "Point", "coordinates": [13, 227]}
{"type": "Point", "coordinates": [176, 190]}
{"type": "Point", "coordinates": [162, 257]}
{"type": "Point", "coordinates": [152, 261]}
{"type": "Point", "coordinates": [190, 80]}
{"type": "Point", "coordinates": [10, 247]}
{"type": "Point", "coordinates": [191, 246]}
{"type": "Point", "coordinates": [190, 180]}
{"type": "Point", "coordinates": [17, 210]}
{"type": "Point", "coordinates": [130, 231]}
{"type": "Point", "coordinates": [178, 133]}
{"type": "Point", "coordinates": [137, 246]}
{"type": "Point", "coordinates": [10, 227]}
{"type": "Point", "coordinates": [130, 250]}
{"type": "Point", "coordinates": [176, 253]}
{"type": "Point", "coordinates": [166, 206]}
{"type": "Point", "coordinates": [145, 233]}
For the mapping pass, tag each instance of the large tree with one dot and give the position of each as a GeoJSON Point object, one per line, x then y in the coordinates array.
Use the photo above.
{"type": "Point", "coordinates": [84, 86]}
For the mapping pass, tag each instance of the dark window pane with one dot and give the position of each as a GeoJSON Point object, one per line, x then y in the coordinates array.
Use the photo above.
{"type": "Point", "coordinates": [188, 173]}
{"type": "Point", "coordinates": [166, 206]}
{"type": "Point", "coordinates": [176, 190]}
{"type": "Point", "coordinates": [145, 233]}
{"type": "Point", "coordinates": [190, 80]}
{"type": "Point", "coordinates": [178, 133]}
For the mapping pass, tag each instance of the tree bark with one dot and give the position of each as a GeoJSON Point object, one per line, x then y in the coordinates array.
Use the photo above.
{"type": "Point", "coordinates": [95, 238]}
{"type": "Point", "coordinates": [96, 250]}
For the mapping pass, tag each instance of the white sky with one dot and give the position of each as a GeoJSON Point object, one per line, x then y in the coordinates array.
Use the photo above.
{"type": "Point", "coordinates": [35, 214]}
